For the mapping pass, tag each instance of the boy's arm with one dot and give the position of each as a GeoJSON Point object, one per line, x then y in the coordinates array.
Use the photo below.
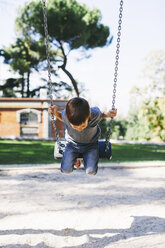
{"type": "Point", "coordinates": [56, 113]}
{"type": "Point", "coordinates": [111, 114]}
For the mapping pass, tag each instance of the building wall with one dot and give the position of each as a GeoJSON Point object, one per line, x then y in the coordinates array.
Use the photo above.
{"type": "Point", "coordinates": [10, 125]}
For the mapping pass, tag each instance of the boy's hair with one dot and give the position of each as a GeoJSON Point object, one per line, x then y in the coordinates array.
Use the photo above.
{"type": "Point", "coordinates": [77, 110]}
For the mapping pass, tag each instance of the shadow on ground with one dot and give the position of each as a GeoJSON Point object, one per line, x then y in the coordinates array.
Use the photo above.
{"type": "Point", "coordinates": [141, 226]}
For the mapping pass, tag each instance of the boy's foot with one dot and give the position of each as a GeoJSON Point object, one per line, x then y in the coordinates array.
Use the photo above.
{"type": "Point", "coordinates": [78, 163]}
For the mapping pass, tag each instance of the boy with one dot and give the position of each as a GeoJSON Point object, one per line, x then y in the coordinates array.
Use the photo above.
{"type": "Point", "coordinates": [82, 134]}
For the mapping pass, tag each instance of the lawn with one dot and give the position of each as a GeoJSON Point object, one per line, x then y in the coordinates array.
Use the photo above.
{"type": "Point", "coordinates": [40, 152]}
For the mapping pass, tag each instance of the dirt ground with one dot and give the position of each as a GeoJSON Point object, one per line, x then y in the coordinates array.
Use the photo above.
{"type": "Point", "coordinates": [120, 207]}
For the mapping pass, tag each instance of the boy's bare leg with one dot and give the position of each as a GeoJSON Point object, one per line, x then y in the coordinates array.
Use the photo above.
{"type": "Point", "coordinates": [78, 163]}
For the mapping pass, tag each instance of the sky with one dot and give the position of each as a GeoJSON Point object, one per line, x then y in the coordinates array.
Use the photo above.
{"type": "Point", "coordinates": [142, 32]}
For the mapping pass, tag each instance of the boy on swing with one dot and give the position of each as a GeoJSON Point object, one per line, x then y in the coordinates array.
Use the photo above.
{"type": "Point", "coordinates": [82, 134]}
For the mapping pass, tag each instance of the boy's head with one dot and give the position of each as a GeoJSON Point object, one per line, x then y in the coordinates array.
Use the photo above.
{"type": "Point", "coordinates": [78, 113]}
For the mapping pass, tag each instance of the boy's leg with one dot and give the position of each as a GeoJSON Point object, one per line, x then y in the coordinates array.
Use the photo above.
{"type": "Point", "coordinates": [91, 158]}
{"type": "Point", "coordinates": [68, 159]}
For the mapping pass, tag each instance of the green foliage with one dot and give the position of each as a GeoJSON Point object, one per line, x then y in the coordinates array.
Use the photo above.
{"type": "Point", "coordinates": [153, 113]}
{"type": "Point", "coordinates": [10, 87]}
{"type": "Point", "coordinates": [147, 122]}
{"type": "Point", "coordinates": [154, 74]}
{"type": "Point", "coordinates": [68, 21]}
{"type": "Point", "coordinates": [132, 132]}
{"type": "Point", "coordinates": [104, 128]}
{"type": "Point", "coordinates": [118, 131]}
{"type": "Point", "coordinates": [148, 102]}
{"type": "Point", "coordinates": [23, 57]}
{"type": "Point", "coordinates": [119, 128]}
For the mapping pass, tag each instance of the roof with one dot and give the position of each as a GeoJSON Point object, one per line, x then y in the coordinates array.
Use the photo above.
{"type": "Point", "coordinates": [8, 99]}
{"type": "Point", "coordinates": [32, 103]}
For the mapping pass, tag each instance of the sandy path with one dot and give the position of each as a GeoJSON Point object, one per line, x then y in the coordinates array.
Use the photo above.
{"type": "Point", "coordinates": [119, 208]}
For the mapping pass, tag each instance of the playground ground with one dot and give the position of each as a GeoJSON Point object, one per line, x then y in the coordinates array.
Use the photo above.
{"type": "Point", "coordinates": [123, 206]}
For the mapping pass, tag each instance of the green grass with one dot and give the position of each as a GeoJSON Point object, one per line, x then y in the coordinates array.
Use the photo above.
{"type": "Point", "coordinates": [39, 152]}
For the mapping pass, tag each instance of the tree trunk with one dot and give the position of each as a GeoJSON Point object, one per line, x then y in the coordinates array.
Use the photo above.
{"type": "Point", "coordinates": [28, 84]}
{"type": "Point", "coordinates": [23, 85]}
{"type": "Point", "coordinates": [74, 83]}
{"type": "Point", "coordinates": [63, 67]}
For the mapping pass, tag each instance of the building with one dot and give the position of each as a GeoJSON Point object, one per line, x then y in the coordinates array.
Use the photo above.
{"type": "Point", "coordinates": [28, 118]}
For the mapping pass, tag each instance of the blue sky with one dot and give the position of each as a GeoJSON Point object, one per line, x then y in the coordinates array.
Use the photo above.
{"type": "Point", "coordinates": [142, 32]}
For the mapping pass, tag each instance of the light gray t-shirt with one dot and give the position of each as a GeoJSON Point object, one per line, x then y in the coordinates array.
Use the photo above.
{"type": "Point", "coordinates": [90, 134]}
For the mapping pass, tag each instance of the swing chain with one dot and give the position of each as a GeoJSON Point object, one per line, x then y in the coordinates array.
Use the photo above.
{"type": "Point", "coordinates": [115, 74]}
{"type": "Point", "coordinates": [49, 73]}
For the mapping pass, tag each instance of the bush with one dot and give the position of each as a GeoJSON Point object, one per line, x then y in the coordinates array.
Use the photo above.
{"type": "Point", "coordinates": [119, 128]}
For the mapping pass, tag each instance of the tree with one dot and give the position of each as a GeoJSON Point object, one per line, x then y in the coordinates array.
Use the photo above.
{"type": "Point", "coordinates": [11, 87]}
{"type": "Point", "coordinates": [154, 74]}
{"type": "Point", "coordinates": [154, 77]}
{"type": "Point", "coordinates": [149, 101]}
{"type": "Point", "coordinates": [71, 26]}
{"type": "Point", "coordinates": [153, 115]}
{"type": "Point", "coordinates": [118, 131]}
{"type": "Point", "coordinates": [24, 56]}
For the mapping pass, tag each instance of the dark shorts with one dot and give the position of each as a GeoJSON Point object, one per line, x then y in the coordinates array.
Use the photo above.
{"type": "Point", "coordinates": [89, 153]}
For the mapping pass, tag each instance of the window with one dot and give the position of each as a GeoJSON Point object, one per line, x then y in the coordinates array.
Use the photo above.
{"type": "Point", "coordinates": [29, 119]}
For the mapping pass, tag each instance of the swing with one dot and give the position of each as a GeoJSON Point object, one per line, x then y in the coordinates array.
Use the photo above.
{"type": "Point", "coordinates": [60, 144]}
{"type": "Point", "coordinates": [101, 144]}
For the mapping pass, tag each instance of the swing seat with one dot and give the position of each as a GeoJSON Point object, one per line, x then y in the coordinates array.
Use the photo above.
{"type": "Point", "coordinates": [57, 152]}
{"type": "Point", "coordinates": [102, 154]}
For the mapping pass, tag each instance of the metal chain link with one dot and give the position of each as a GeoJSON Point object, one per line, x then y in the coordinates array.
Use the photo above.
{"type": "Point", "coordinates": [115, 74]}
{"type": "Point", "coordinates": [49, 73]}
